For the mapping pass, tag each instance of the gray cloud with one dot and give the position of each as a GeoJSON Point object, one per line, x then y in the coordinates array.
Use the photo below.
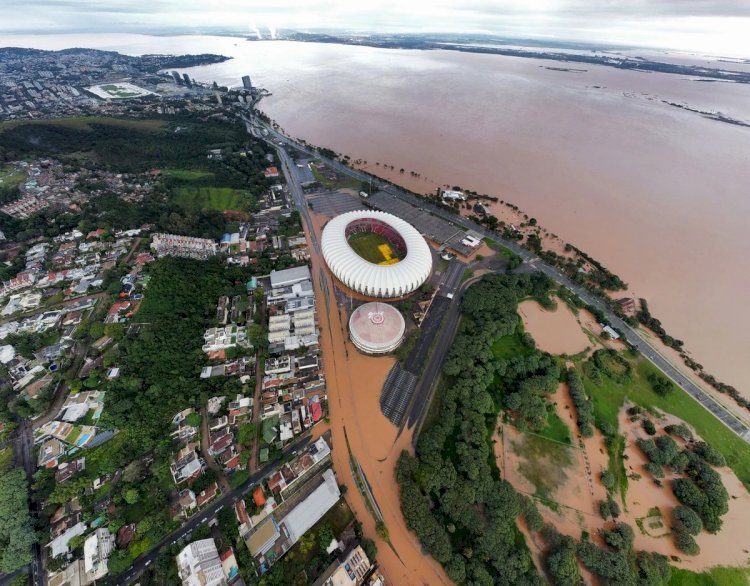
{"type": "Point", "coordinates": [690, 24]}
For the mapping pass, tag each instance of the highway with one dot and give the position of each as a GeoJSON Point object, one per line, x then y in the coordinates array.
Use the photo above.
{"type": "Point", "coordinates": [203, 516]}
{"type": "Point", "coordinates": [630, 334]}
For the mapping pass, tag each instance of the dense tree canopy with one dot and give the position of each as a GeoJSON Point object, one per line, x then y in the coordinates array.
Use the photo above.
{"type": "Point", "coordinates": [16, 529]}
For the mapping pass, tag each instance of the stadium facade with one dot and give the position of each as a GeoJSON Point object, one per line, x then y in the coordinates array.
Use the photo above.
{"type": "Point", "coordinates": [386, 280]}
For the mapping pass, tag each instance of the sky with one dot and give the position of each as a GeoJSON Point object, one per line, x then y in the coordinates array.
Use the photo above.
{"type": "Point", "coordinates": [717, 27]}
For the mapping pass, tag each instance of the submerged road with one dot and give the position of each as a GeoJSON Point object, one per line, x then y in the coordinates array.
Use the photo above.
{"type": "Point", "coordinates": [630, 334]}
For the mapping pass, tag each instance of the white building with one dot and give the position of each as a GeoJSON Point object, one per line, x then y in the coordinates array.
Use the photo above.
{"type": "Point", "coordinates": [290, 276]}
{"type": "Point", "coordinates": [454, 195]}
{"type": "Point", "coordinates": [226, 337]}
{"type": "Point", "coordinates": [199, 565]}
{"type": "Point", "coordinates": [59, 545]}
{"type": "Point", "coordinates": [7, 353]}
{"type": "Point", "coordinates": [96, 550]}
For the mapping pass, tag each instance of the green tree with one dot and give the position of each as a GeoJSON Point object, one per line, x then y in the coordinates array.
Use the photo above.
{"type": "Point", "coordinates": [131, 496]}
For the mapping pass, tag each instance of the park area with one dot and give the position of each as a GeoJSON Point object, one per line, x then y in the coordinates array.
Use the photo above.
{"type": "Point", "coordinates": [374, 248]}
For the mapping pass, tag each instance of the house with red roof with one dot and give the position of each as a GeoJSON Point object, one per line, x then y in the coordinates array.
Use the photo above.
{"type": "Point", "coordinates": [259, 497]}
{"type": "Point", "coordinates": [207, 495]}
{"type": "Point", "coordinates": [113, 315]}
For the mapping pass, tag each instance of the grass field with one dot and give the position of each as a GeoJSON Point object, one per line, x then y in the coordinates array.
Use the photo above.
{"type": "Point", "coordinates": [609, 397]}
{"type": "Point", "coordinates": [10, 177]}
{"type": "Point", "coordinates": [713, 577]}
{"type": "Point", "coordinates": [187, 174]}
{"type": "Point", "coordinates": [211, 198]}
{"type": "Point", "coordinates": [556, 429]}
{"type": "Point", "coordinates": [6, 459]}
{"type": "Point", "coordinates": [368, 246]}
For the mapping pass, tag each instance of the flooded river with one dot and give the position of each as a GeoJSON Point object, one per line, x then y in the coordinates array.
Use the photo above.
{"type": "Point", "coordinates": [658, 194]}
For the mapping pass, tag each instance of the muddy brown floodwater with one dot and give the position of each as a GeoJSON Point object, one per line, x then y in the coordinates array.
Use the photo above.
{"type": "Point", "coordinates": [555, 331]}
{"type": "Point", "coordinates": [359, 428]}
{"type": "Point", "coordinates": [656, 193]}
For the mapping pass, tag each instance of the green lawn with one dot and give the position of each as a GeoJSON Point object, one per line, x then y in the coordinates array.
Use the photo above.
{"type": "Point", "coordinates": [720, 576]}
{"type": "Point", "coordinates": [609, 397]}
{"type": "Point", "coordinates": [10, 177]}
{"type": "Point", "coordinates": [365, 244]}
{"type": "Point", "coordinates": [509, 346]}
{"type": "Point", "coordinates": [211, 198]}
{"type": "Point", "coordinates": [187, 174]}
{"type": "Point", "coordinates": [556, 429]}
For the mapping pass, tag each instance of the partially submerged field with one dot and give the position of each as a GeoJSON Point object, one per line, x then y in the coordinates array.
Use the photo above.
{"type": "Point", "coordinates": [580, 451]}
{"type": "Point", "coordinates": [614, 381]}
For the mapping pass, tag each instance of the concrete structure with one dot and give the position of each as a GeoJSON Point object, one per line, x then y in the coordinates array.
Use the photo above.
{"type": "Point", "coordinates": [199, 565]}
{"type": "Point", "coordinates": [367, 278]}
{"type": "Point", "coordinates": [59, 545]}
{"type": "Point", "coordinates": [289, 277]}
{"type": "Point", "coordinates": [96, 550]}
{"type": "Point", "coordinates": [246, 83]}
{"type": "Point", "coordinates": [376, 328]}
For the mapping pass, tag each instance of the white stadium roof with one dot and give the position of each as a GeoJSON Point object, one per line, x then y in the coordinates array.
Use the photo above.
{"type": "Point", "coordinates": [394, 280]}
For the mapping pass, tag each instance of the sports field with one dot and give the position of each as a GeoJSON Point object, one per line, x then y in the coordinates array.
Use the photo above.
{"type": "Point", "coordinates": [374, 248]}
{"type": "Point", "coordinates": [121, 90]}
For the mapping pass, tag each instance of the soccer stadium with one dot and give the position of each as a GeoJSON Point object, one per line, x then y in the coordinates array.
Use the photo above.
{"type": "Point", "coordinates": [376, 328]}
{"type": "Point", "coordinates": [376, 254]}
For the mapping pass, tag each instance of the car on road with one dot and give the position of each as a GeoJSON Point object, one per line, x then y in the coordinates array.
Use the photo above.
{"type": "Point", "coordinates": [447, 255]}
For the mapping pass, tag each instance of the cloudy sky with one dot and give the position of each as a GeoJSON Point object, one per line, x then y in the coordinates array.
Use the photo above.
{"type": "Point", "coordinates": [720, 27]}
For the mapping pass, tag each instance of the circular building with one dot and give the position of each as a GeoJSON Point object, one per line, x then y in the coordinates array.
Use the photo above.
{"type": "Point", "coordinates": [376, 328]}
{"type": "Point", "coordinates": [376, 254]}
